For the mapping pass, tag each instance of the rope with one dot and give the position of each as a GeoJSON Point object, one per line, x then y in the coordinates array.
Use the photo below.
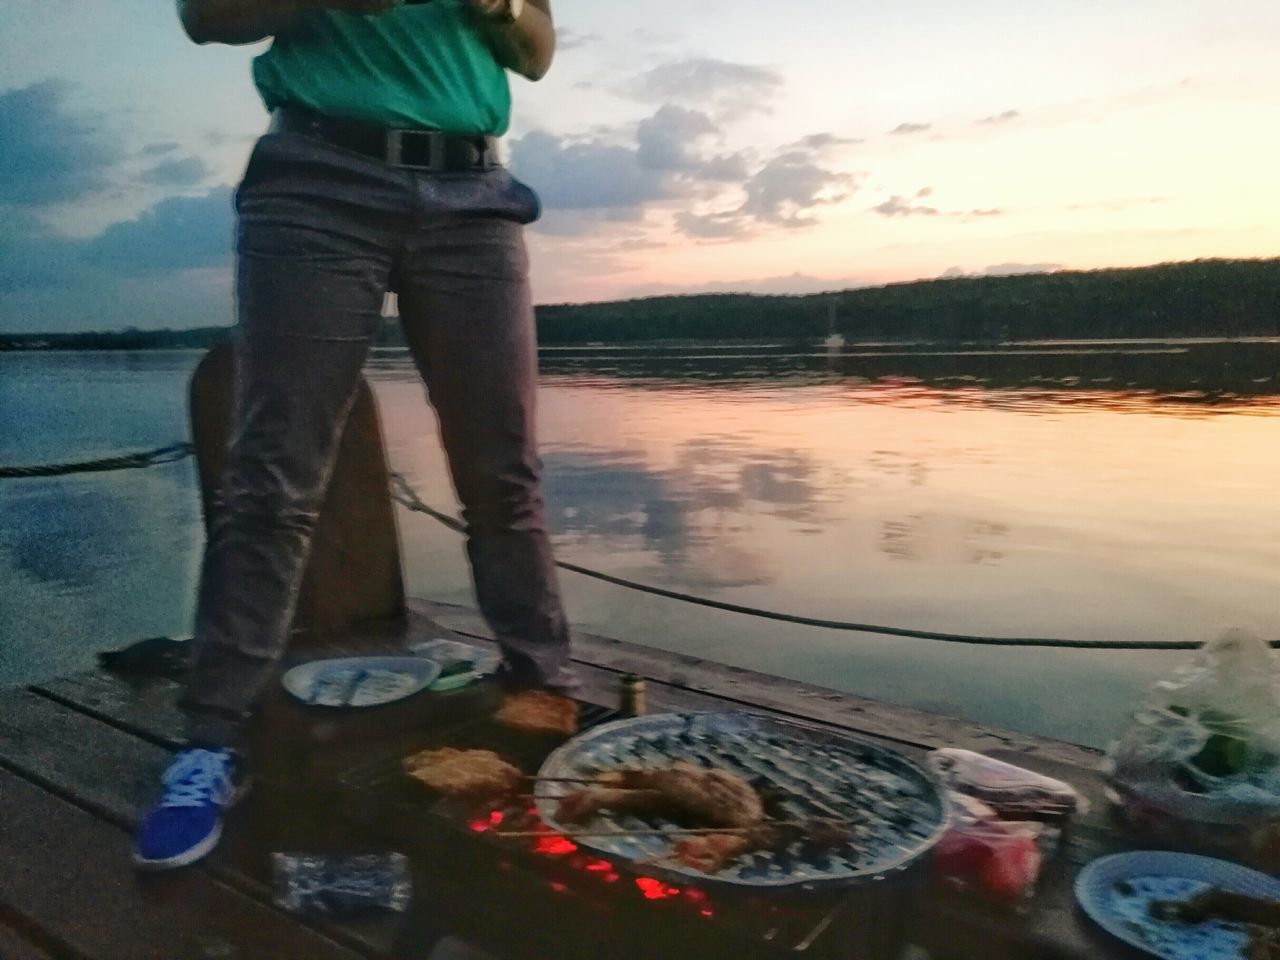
{"type": "Point", "coordinates": [129, 461]}
{"type": "Point", "coordinates": [407, 497]}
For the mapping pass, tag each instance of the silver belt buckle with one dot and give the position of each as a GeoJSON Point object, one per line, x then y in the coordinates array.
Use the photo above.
{"type": "Point", "coordinates": [395, 147]}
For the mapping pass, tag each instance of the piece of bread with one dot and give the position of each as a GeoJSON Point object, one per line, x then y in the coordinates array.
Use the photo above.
{"type": "Point", "coordinates": [464, 772]}
{"type": "Point", "coordinates": [539, 711]}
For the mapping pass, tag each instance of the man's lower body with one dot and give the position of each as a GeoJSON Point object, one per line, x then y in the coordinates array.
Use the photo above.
{"type": "Point", "coordinates": [323, 233]}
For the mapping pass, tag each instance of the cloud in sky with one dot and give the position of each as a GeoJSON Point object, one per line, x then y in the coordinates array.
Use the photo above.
{"type": "Point", "coordinates": [725, 89]}
{"type": "Point", "coordinates": [52, 154]}
{"type": "Point", "coordinates": [184, 172]}
{"type": "Point", "coordinates": [822, 141]}
{"type": "Point", "coordinates": [159, 149]}
{"type": "Point", "coordinates": [790, 186]}
{"type": "Point", "coordinates": [906, 129]}
{"type": "Point", "coordinates": [900, 206]}
{"type": "Point", "coordinates": [586, 175]}
{"type": "Point", "coordinates": [998, 118]}
{"type": "Point", "coordinates": [180, 233]}
{"type": "Point", "coordinates": [785, 191]}
{"type": "Point", "coordinates": [567, 40]}
{"type": "Point", "coordinates": [897, 206]}
{"type": "Point", "coordinates": [670, 140]}
{"type": "Point", "coordinates": [621, 173]}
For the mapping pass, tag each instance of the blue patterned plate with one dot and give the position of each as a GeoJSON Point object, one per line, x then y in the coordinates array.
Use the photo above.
{"type": "Point", "coordinates": [1117, 892]}
{"type": "Point", "coordinates": [360, 681]}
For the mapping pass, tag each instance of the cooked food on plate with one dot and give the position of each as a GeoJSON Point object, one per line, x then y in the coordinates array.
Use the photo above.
{"type": "Point", "coordinates": [539, 711]}
{"type": "Point", "coordinates": [1217, 904]}
{"type": "Point", "coordinates": [714, 798]}
{"type": "Point", "coordinates": [711, 853]}
{"type": "Point", "coordinates": [464, 772]}
{"type": "Point", "coordinates": [1261, 915]}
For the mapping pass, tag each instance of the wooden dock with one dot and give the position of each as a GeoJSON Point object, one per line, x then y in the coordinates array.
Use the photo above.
{"type": "Point", "coordinates": [80, 757]}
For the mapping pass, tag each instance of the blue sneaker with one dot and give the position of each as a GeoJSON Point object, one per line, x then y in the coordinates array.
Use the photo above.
{"type": "Point", "coordinates": [199, 786]}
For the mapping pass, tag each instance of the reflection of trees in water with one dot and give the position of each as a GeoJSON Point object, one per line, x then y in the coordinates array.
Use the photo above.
{"type": "Point", "coordinates": [694, 516]}
{"type": "Point", "coordinates": [1156, 377]}
{"type": "Point", "coordinates": [921, 536]}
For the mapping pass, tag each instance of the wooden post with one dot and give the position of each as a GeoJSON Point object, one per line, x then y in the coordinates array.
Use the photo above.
{"type": "Point", "coordinates": [353, 575]}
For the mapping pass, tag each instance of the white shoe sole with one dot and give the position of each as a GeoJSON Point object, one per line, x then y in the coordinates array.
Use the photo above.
{"type": "Point", "coordinates": [201, 849]}
{"type": "Point", "coordinates": [187, 857]}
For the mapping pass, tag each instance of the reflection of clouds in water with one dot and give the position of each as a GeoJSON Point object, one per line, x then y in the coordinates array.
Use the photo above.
{"type": "Point", "coordinates": [928, 537]}
{"type": "Point", "coordinates": [55, 533]}
{"type": "Point", "coordinates": [791, 484]}
{"type": "Point", "coordinates": [691, 516]}
{"type": "Point", "coordinates": [613, 495]}
{"type": "Point", "coordinates": [892, 463]}
{"type": "Point", "coordinates": [93, 562]}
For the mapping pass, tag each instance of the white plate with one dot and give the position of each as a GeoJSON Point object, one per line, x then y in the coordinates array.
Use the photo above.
{"type": "Point", "coordinates": [360, 681]}
{"type": "Point", "coordinates": [1144, 877]}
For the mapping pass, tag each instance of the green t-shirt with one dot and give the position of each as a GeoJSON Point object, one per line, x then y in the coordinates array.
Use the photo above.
{"type": "Point", "coordinates": [421, 65]}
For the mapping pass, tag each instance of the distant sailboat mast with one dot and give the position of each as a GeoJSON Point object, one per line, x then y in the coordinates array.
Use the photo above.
{"type": "Point", "coordinates": [834, 340]}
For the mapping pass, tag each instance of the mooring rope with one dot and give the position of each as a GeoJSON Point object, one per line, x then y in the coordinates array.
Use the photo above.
{"type": "Point", "coordinates": [406, 496]}
{"type": "Point", "coordinates": [128, 461]}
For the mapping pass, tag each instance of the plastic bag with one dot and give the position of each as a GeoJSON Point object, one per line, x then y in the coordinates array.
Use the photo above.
{"type": "Point", "coordinates": [311, 883]}
{"type": "Point", "coordinates": [1204, 749]}
{"type": "Point", "coordinates": [1013, 792]}
{"type": "Point", "coordinates": [982, 852]}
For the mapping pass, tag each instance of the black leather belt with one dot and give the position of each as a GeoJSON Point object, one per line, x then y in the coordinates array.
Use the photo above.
{"type": "Point", "coordinates": [429, 150]}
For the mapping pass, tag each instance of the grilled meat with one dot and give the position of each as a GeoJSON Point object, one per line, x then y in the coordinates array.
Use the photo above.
{"type": "Point", "coordinates": [715, 798]}
{"type": "Point", "coordinates": [464, 772]}
{"type": "Point", "coordinates": [710, 853]}
{"type": "Point", "coordinates": [1218, 904]}
{"type": "Point", "coordinates": [539, 711]}
{"type": "Point", "coordinates": [1264, 944]}
{"type": "Point", "coordinates": [581, 805]}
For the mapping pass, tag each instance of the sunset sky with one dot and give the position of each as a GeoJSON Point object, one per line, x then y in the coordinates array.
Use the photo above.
{"type": "Point", "coordinates": [686, 146]}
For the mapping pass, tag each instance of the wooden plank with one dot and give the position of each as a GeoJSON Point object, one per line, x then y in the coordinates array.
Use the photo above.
{"type": "Point", "coordinates": [100, 769]}
{"type": "Point", "coordinates": [751, 688]}
{"type": "Point", "coordinates": [114, 775]}
{"type": "Point", "coordinates": [147, 708]}
{"type": "Point", "coordinates": [67, 874]}
{"type": "Point", "coordinates": [14, 946]}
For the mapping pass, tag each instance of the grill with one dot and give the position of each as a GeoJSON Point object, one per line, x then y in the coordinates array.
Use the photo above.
{"type": "Point", "coordinates": [548, 896]}
{"type": "Point", "coordinates": [895, 810]}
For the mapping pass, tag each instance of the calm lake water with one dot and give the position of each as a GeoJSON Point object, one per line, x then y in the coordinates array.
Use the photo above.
{"type": "Point", "coordinates": [1056, 490]}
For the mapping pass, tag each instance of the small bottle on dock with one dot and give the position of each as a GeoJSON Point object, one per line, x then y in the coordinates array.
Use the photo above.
{"type": "Point", "coordinates": [631, 699]}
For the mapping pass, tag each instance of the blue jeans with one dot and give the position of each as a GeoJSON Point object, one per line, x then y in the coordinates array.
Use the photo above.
{"type": "Point", "coordinates": [323, 233]}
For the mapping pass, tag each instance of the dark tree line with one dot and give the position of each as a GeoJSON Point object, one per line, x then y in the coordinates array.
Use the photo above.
{"type": "Point", "coordinates": [1201, 298]}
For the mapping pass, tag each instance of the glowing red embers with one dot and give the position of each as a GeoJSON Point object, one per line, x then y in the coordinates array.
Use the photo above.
{"type": "Point", "coordinates": [479, 826]}
{"type": "Point", "coordinates": [496, 818]}
{"type": "Point", "coordinates": [555, 846]}
{"type": "Point", "coordinates": [598, 866]}
{"type": "Point", "coordinates": [699, 899]}
{"type": "Point", "coordinates": [656, 889]}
